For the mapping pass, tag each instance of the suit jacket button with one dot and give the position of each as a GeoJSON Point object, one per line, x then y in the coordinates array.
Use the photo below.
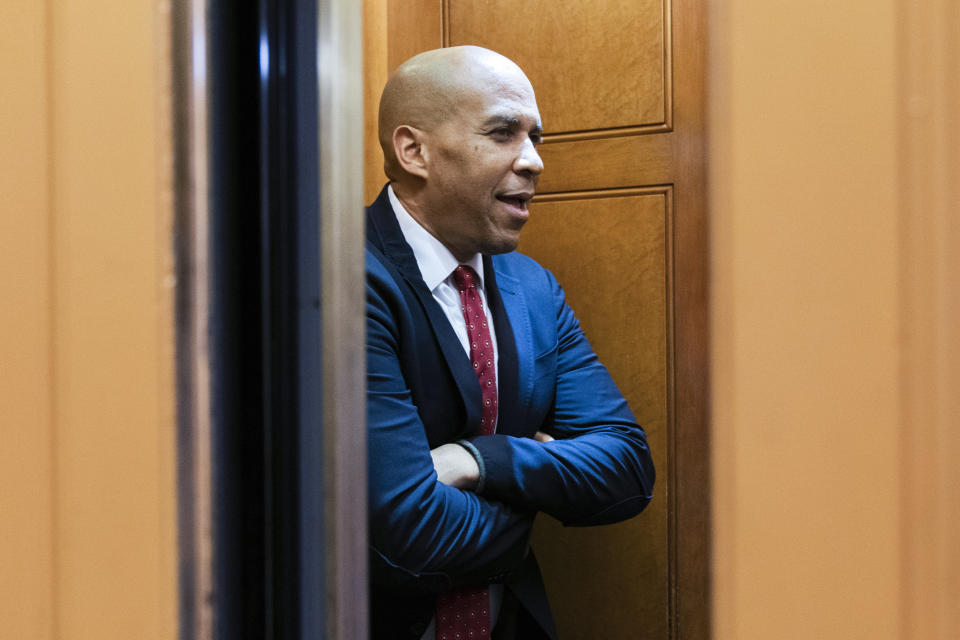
{"type": "Point", "coordinates": [417, 629]}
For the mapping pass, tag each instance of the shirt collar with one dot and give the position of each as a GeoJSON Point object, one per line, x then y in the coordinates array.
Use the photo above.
{"type": "Point", "coordinates": [434, 259]}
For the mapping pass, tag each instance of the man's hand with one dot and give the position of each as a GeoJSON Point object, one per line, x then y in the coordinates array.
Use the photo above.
{"type": "Point", "coordinates": [456, 466]}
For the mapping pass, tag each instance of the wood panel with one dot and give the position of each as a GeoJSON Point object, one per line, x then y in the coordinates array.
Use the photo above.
{"type": "Point", "coordinates": [375, 67]}
{"type": "Point", "coordinates": [594, 66]}
{"type": "Point", "coordinates": [412, 27]}
{"type": "Point", "coordinates": [622, 297]}
{"type": "Point", "coordinates": [612, 163]}
{"type": "Point", "coordinates": [598, 141]}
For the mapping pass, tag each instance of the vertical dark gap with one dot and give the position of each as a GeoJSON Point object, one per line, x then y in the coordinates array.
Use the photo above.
{"type": "Point", "coordinates": [183, 242]}
{"type": "Point", "coordinates": [273, 223]}
{"type": "Point", "coordinates": [265, 324]}
{"type": "Point", "coordinates": [307, 572]}
{"type": "Point", "coordinates": [236, 322]}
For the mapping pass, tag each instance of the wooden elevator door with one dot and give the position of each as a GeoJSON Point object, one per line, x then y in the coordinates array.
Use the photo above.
{"type": "Point", "coordinates": [620, 219]}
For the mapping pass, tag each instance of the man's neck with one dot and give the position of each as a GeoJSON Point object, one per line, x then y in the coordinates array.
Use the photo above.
{"type": "Point", "coordinates": [412, 203]}
{"type": "Point", "coordinates": [435, 260]}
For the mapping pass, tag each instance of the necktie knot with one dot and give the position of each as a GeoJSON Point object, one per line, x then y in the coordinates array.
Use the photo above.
{"type": "Point", "coordinates": [464, 278]}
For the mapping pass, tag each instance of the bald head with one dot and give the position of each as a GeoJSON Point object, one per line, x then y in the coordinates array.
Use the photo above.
{"type": "Point", "coordinates": [429, 88]}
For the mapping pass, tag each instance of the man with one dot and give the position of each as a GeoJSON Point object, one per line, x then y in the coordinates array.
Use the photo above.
{"type": "Point", "coordinates": [486, 403]}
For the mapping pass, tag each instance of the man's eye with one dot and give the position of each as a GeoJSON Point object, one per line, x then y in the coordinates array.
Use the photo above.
{"type": "Point", "coordinates": [536, 138]}
{"type": "Point", "coordinates": [502, 132]}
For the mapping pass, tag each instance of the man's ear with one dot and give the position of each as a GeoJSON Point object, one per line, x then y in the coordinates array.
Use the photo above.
{"type": "Point", "coordinates": [409, 150]}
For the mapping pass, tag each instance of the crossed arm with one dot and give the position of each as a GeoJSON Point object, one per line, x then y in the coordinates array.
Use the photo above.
{"type": "Point", "coordinates": [455, 466]}
{"type": "Point", "coordinates": [431, 529]}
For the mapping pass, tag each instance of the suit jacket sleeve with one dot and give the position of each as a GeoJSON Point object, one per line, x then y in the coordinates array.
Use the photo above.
{"type": "Point", "coordinates": [599, 469]}
{"type": "Point", "coordinates": [424, 535]}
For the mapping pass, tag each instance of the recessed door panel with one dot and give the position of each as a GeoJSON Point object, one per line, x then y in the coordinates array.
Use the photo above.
{"type": "Point", "coordinates": [594, 65]}
{"type": "Point", "coordinates": [611, 252]}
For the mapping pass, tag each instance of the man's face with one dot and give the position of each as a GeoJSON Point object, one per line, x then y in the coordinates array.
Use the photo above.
{"type": "Point", "coordinates": [484, 166]}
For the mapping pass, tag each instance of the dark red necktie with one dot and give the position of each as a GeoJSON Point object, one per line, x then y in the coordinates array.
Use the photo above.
{"type": "Point", "coordinates": [464, 614]}
{"type": "Point", "coordinates": [481, 346]}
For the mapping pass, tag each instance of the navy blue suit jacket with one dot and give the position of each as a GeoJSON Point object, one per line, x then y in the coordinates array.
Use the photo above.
{"type": "Point", "coordinates": [422, 392]}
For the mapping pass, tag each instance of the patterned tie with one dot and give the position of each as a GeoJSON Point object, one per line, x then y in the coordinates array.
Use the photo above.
{"type": "Point", "coordinates": [464, 614]}
{"type": "Point", "coordinates": [481, 348]}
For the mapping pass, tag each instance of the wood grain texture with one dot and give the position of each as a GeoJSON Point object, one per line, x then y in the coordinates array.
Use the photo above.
{"type": "Point", "coordinates": [677, 158]}
{"type": "Point", "coordinates": [595, 66]}
{"type": "Point", "coordinates": [612, 252]}
{"type": "Point", "coordinates": [375, 72]}
{"type": "Point", "coordinates": [691, 481]}
{"type": "Point", "coordinates": [412, 26]}
{"type": "Point", "coordinates": [609, 163]}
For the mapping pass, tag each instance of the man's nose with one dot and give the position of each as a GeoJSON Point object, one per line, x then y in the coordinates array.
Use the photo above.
{"type": "Point", "coordinates": [529, 159]}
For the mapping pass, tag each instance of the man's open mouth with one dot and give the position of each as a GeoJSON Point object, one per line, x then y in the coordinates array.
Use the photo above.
{"type": "Point", "coordinates": [519, 202]}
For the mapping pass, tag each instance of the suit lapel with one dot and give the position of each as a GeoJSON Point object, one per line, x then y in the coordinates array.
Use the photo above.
{"type": "Point", "coordinates": [384, 232]}
{"type": "Point", "coordinates": [514, 339]}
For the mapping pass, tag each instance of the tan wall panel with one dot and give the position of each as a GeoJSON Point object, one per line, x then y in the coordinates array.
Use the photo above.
{"type": "Point", "coordinates": [929, 102]}
{"type": "Point", "coordinates": [88, 539]}
{"type": "Point", "coordinates": [26, 411]}
{"type": "Point", "coordinates": [627, 40]}
{"type": "Point", "coordinates": [804, 320]}
{"type": "Point", "coordinates": [115, 430]}
{"type": "Point", "coordinates": [603, 581]}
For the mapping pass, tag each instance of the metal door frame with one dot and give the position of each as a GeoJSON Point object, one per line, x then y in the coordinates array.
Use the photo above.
{"type": "Point", "coordinates": [329, 439]}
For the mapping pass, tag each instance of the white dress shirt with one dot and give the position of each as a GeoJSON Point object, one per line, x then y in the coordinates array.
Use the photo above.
{"type": "Point", "coordinates": [436, 266]}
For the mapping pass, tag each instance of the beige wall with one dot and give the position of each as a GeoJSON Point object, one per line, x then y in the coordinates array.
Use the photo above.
{"type": "Point", "coordinates": [830, 305]}
{"type": "Point", "coordinates": [87, 540]}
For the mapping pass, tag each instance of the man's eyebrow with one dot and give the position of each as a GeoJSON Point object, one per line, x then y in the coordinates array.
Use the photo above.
{"type": "Point", "coordinates": [511, 121]}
